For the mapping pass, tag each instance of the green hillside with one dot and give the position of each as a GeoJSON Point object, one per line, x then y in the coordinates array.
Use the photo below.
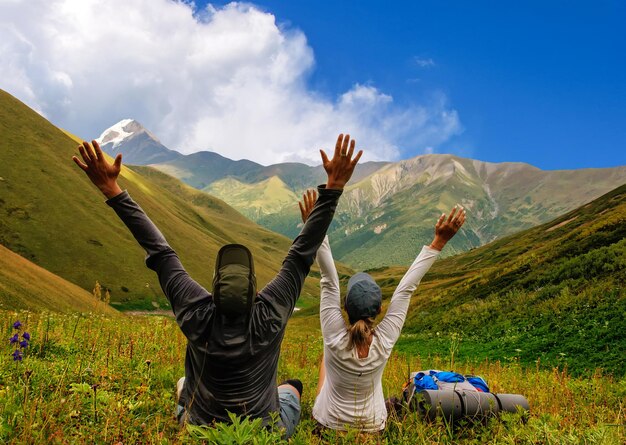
{"type": "Point", "coordinates": [264, 194]}
{"type": "Point", "coordinates": [24, 285]}
{"type": "Point", "coordinates": [255, 200]}
{"type": "Point", "coordinates": [386, 233]}
{"type": "Point", "coordinates": [53, 216]}
{"type": "Point", "coordinates": [553, 295]}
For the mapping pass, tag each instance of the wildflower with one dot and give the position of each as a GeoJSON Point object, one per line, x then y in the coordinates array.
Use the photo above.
{"type": "Point", "coordinates": [14, 339]}
{"type": "Point", "coordinates": [17, 355]}
{"type": "Point", "coordinates": [26, 336]}
{"type": "Point", "coordinates": [23, 344]}
{"type": "Point", "coordinates": [17, 324]}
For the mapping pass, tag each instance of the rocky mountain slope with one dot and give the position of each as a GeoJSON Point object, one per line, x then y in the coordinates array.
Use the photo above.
{"type": "Point", "coordinates": [382, 217]}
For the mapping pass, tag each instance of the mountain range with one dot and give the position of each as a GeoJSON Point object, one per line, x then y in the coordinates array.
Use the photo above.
{"type": "Point", "coordinates": [389, 206]}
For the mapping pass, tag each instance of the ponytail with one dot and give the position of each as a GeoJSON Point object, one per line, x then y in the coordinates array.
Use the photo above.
{"type": "Point", "coordinates": [359, 333]}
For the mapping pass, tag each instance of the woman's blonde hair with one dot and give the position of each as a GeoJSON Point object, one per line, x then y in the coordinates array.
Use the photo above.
{"type": "Point", "coordinates": [359, 333]}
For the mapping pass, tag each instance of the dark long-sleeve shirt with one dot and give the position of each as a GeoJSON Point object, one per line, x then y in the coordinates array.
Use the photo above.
{"type": "Point", "coordinates": [230, 365]}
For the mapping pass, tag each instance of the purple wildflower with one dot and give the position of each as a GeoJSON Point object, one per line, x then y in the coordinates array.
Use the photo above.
{"type": "Point", "coordinates": [14, 339]}
{"type": "Point", "coordinates": [26, 336]}
{"type": "Point", "coordinates": [17, 324]}
{"type": "Point", "coordinates": [23, 344]}
{"type": "Point", "coordinates": [17, 355]}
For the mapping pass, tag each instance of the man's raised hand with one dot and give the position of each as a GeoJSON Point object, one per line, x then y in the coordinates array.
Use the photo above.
{"type": "Point", "coordinates": [447, 227]}
{"type": "Point", "coordinates": [339, 169]}
{"type": "Point", "coordinates": [307, 204]}
{"type": "Point", "coordinates": [100, 172]}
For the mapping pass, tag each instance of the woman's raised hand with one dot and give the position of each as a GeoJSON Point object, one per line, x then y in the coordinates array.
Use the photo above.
{"type": "Point", "coordinates": [447, 226]}
{"type": "Point", "coordinates": [307, 204]}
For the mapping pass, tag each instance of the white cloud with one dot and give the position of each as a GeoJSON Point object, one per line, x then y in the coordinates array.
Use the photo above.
{"type": "Point", "coordinates": [424, 62]}
{"type": "Point", "coordinates": [226, 79]}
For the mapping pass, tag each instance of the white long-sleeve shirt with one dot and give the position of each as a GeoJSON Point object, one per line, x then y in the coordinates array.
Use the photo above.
{"type": "Point", "coordinates": [352, 394]}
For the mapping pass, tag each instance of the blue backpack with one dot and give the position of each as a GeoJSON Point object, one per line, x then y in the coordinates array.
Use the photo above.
{"type": "Point", "coordinates": [433, 379]}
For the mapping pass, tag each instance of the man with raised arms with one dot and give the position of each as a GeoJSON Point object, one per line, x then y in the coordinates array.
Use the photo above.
{"type": "Point", "coordinates": [234, 333]}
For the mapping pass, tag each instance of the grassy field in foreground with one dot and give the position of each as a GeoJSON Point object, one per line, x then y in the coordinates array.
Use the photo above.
{"type": "Point", "coordinates": [92, 379]}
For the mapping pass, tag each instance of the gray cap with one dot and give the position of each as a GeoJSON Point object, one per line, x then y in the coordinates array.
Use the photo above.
{"type": "Point", "coordinates": [364, 297]}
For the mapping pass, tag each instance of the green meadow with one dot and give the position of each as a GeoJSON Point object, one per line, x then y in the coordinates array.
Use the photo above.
{"type": "Point", "coordinates": [91, 379]}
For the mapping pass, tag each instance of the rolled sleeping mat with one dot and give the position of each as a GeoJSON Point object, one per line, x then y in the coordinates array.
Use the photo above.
{"type": "Point", "coordinates": [453, 405]}
{"type": "Point", "coordinates": [443, 403]}
{"type": "Point", "coordinates": [510, 403]}
{"type": "Point", "coordinates": [479, 404]}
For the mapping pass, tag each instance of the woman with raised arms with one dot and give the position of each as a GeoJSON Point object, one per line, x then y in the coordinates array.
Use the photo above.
{"type": "Point", "coordinates": [350, 393]}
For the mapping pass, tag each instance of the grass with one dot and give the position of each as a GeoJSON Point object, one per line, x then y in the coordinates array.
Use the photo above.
{"type": "Point", "coordinates": [97, 379]}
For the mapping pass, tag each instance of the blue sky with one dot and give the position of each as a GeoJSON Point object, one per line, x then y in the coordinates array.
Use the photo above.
{"type": "Point", "coordinates": [274, 81]}
{"type": "Point", "coordinates": [538, 82]}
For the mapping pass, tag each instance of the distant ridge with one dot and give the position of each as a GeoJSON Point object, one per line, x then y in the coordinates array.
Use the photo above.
{"type": "Point", "coordinates": [203, 168]}
{"type": "Point", "coordinates": [386, 214]}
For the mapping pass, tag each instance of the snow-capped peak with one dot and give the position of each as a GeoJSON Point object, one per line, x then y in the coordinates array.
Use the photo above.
{"type": "Point", "coordinates": [119, 132]}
